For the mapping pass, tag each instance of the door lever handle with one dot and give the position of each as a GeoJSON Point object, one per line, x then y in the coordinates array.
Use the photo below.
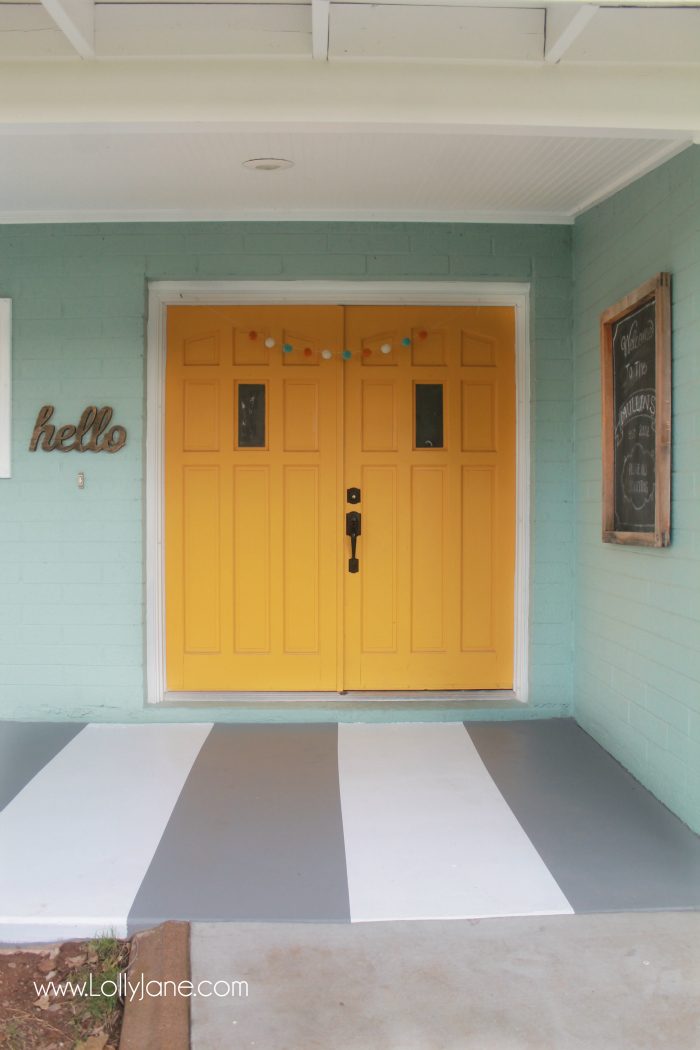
{"type": "Point", "coordinates": [353, 528]}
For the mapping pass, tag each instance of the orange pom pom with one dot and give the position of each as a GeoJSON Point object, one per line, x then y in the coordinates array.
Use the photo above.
{"type": "Point", "coordinates": [252, 335]}
{"type": "Point", "coordinates": [423, 334]}
{"type": "Point", "coordinates": [366, 352]}
{"type": "Point", "coordinates": [308, 351]}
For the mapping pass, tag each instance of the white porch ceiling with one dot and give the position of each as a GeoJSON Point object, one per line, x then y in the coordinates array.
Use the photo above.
{"type": "Point", "coordinates": [503, 110]}
{"type": "Point", "coordinates": [173, 174]}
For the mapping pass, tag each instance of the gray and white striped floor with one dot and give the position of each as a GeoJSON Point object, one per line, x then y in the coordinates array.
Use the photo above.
{"type": "Point", "coordinates": [118, 827]}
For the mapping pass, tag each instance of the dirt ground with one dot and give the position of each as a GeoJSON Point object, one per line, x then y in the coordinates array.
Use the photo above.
{"type": "Point", "coordinates": [30, 1020]}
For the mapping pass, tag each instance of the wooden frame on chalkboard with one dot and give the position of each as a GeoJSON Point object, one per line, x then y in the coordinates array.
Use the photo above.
{"type": "Point", "coordinates": [636, 416]}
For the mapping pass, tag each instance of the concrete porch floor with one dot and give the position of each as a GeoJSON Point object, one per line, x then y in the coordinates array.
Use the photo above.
{"type": "Point", "coordinates": [584, 982]}
{"type": "Point", "coordinates": [349, 823]}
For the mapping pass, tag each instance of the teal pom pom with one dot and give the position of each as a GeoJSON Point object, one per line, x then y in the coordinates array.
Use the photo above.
{"type": "Point", "coordinates": [406, 341]}
{"type": "Point", "coordinates": [287, 348]}
{"type": "Point", "coordinates": [347, 354]}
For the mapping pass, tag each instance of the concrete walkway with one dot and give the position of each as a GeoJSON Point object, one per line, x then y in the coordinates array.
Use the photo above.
{"type": "Point", "coordinates": [584, 982]}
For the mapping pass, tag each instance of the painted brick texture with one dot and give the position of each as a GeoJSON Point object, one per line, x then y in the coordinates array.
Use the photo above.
{"type": "Point", "coordinates": [72, 562]}
{"type": "Point", "coordinates": [637, 634]}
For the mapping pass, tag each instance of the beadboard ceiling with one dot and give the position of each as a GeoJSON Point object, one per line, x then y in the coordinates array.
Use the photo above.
{"type": "Point", "coordinates": [175, 174]}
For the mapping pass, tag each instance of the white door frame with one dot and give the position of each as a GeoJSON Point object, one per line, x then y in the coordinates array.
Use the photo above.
{"type": "Point", "coordinates": [162, 294]}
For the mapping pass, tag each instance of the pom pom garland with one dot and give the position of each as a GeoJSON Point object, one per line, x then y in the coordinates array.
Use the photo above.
{"type": "Point", "coordinates": [327, 355]}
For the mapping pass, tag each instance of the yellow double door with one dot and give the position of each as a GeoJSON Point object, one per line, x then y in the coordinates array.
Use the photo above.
{"type": "Point", "coordinates": [280, 421]}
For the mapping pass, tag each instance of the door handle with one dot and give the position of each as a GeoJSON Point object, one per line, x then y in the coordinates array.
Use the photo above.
{"type": "Point", "coordinates": [353, 528]}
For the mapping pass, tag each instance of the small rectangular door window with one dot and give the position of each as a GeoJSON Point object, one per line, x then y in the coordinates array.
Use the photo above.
{"type": "Point", "coordinates": [429, 427]}
{"type": "Point", "coordinates": [251, 415]}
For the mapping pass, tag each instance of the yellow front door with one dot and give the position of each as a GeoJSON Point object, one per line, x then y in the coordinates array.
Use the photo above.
{"type": "Point", "coordinates": [430, 443]}
{"type": "Point", "coordinates": [267, 427]}
{"type": "Point", "coordinates": [252, 498]}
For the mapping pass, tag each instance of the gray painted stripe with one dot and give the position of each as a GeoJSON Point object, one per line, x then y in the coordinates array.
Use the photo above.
{"type": "Point", "coordinates": [25, 748]}
{"type": "Point", "coordinates": [608, 842]}
{"type": "Point", "coordinates": [256, 834]}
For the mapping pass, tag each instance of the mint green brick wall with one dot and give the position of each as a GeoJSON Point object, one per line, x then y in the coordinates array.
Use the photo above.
{"type": "Point", "coordinates": [72, 563]}
{"type": "Point", "coordinates": [637, 634]}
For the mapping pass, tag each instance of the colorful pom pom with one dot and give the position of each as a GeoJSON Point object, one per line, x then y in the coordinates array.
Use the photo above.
{"type": "Point", "coordinates": [307, 351]}
{"type": "Point", "coordinates": [287, 348]}
{"type": "Point", "coordinates": [347, 354]}
{"type": "Point", "coordinates": [385, 348]}
{"type": "Point", "coordinates": [406, 341]}
{"type": "Point", "coordinates": [326, 355]}
{"type": "Point", "coordinates": [269, 342]}
{"type": "Point", "coordinates": [423, 334]}
{"type": "Point", "coordinates": [366, 352]}
{"type": "Point", "coordinates": [252, 335]}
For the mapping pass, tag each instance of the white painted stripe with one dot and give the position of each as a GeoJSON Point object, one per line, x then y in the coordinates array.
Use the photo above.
{"type": "Point", "coordinates": [428, 835]}
{"type": "Point", "coordinates": [76, 842]}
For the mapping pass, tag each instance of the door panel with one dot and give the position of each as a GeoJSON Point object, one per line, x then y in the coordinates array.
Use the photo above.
{"type": "Point", "coordinates": [201, 499]}
{"type": "Point", "coordinates": [379, 559]}
{"type": "Point", "coordinates": [252, 595]}
{"type": "Point", "coordinates": [428, 510]}
{"type": "Point", "coordinates": [253, 500]}
{"type": "Point", "coordinates": [430, 439]}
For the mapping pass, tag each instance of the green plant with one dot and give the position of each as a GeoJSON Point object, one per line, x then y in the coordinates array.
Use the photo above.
{"type": "Point", "coordinates": [106, 960]}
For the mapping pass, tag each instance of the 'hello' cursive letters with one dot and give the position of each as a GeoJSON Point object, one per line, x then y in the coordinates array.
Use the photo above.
{"type": "Point", "coordinates": [92, 434]}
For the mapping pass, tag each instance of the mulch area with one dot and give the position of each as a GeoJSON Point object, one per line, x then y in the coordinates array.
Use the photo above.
{"type": "Point", "coordinates": [32, 1021]}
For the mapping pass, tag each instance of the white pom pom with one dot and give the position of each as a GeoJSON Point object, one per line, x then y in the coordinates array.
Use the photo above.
{"type": "Point", "coordinates": [326, 354]}
{"type": "Point", "coordinates": [385, 348]}
{"type": "Point", "coordinates": [269, 342]}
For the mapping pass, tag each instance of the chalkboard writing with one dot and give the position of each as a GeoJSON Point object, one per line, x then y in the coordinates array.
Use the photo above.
{"type": "Point", "coordinates": [634, 402]}
{"type": "Point", "coordinates": [635, 363]}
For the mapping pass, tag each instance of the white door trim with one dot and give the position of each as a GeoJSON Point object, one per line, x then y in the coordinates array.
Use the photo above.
{"type": "Point", "coordinates": [5, 388]}
{"type": "Point", "coordinates": [162, 294]}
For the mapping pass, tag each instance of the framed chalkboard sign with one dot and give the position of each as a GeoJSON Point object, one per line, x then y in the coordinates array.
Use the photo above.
{"type": "Point", "coordinates": [635, 359]}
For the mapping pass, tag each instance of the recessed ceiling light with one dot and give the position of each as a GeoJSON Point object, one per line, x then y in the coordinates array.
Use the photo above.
{"type": "Point", "coordinates": [267, 163]}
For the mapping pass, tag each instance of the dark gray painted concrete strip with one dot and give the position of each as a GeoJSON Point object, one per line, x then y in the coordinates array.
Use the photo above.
{"type": "Point", "coordinates": [256, 834]}
{"type": "Point", "coordinates": [608, 842]}
{"type": "Point", "coordinates": [25, 748]}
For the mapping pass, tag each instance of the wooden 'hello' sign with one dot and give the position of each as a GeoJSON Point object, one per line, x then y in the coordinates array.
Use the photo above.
{"type": "Point", "coordinates": [92, 433]}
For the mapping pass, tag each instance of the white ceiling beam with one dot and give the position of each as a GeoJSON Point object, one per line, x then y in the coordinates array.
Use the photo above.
{"type": "Point", "coordinates": [398, 95]}
{"type": "Point", "coordinates": [76, 20]}
{"type": "Point", "coordinates": [320, 28]}
{"type": "Point", "coordinates": [564, 24]}
{"type": "Point", "coordinates": [533, 4]}
{"type": "Point", "coordinates": [552, 3]}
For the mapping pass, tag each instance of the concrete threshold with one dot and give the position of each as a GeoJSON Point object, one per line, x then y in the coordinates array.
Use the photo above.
{"type": "Point", "coordinates": [455, 700]}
